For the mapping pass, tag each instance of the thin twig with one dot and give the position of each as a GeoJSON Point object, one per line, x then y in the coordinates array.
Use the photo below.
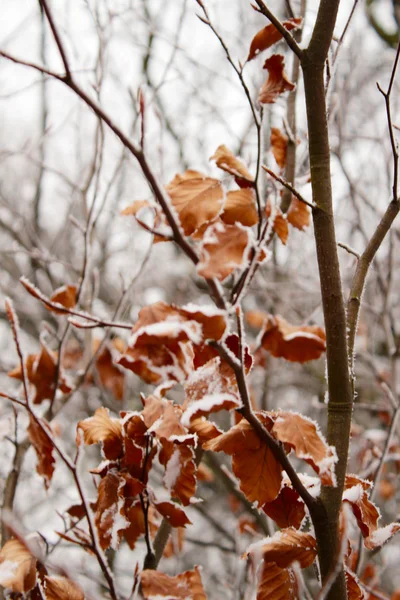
{"type": "Point", "coordinates": [288, 186]}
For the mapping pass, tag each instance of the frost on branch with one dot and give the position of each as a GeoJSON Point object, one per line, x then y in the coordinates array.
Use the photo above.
{"type": "Point", "coordinates": [277, 82]}
{"type": "Point", "coordinates": [42, 373]}
{"type": "Point", "coordinates": [163, 340]}
{"type": "Point", "coordinates": [186, 586]}
{"type": "Point", "coordinates": [367, 514]}
{"type": "Point", "coordinates": [17, 567]}
{"type": "Point", "coordinates": [269, 35]}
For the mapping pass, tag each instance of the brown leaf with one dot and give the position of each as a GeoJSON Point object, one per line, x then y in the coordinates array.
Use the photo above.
{"type": "Point", "coordinates": [364, 510]}
{"type": "Point", "coordinates": [227, 161]}
{"type": "Point", "coordinates": [65, 296]}
{"type": "Point", "coordinates": [61, 588]}
{"type": "Point", "coordinates": [275, 583]}
{"type": "Point", "coordinates": [354, 591]}
{"type": "Point", "coordinates": [135, 207]}
{"type": "Point", "coordinates": [186, 586]}
{"type": "Point", "coordinates": [269, 35]}
{"type": "Point", "coordinates": [175, 542]}
{"type": "Point", "coordinates": [205, 430]}
{"type": "Point", "coordinates": [258, 471]}
{"type": "Point", "coordinates": [292, 342]}
{"type": "Point", "coordinates": [137, 526]}
{"type": "Point", "coordinates": [279, 143]}
{"type": "Point", "coordinates": [44, 449]}
{"type": "Point", "coordinates": [240, 207]}
{"type": "Point", "coordinates": [280, 223]}
{"type": "Point", "coordinates": [303, 435]}
{"type": "Point", "coordinates": [298, 214]}
{"type": "Point", "coordinates": [17, 567]}
{"type": "Point", "coordinates": [162, 417]}
{"type": "Point", "coordinates": [225, 248]}
{"type": "Point", "coordinates": [285, 547]}
{"type": "Point", "coordinates": [196, 198]}
{"type": "Point", "coordinates": [287, 510]}
{"type": "Point", "coordinates": [174, 514]}
{"type": "Point", "coordinates": [111, 376]}
{"type": "Point", "coordinates": [180, 470]}
{"type": "Point", "coordinates": [102, 428]}
{"type": "Point", "coordinates": [277, 82]}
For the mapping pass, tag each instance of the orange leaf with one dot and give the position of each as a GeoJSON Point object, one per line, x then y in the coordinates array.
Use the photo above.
{"type": "Point", "coordinates": [285, 547]}
{"type": "Point", "coordinates": [225, 248]}
{"type": "Point", "coordinates": [364, 510]}
{"type": "Point", "coordinates": [269, 35]}
{"type": "Point", "coordinates": [44, 449]}
{"type": "Point", "coordinates": [61, 588]}
{"type": "Point", "coordinates": [292, 342]}
{"type": "Point", "coordinates": [174, 513]}
{"type": "Point", "coordinates": [287, 510]}
{"type": "Point", "coordinates": [205, 430]}
{"type": "Point", "coordinates": [186, 586]}
{"type": "Point", "coordinates": [279, 143]}
{"type": "Point", "coordinates": [354, 591]}
{"type": "Point", "coordinates": [258, 471]}
{"type": "Point", "coordinates": [65, 296]}
{"type": "Point", "coordinates": [277, 82]}
{"type": "Point", "coordinates": [275, 583]}
{"type": "Point", "coordinates": [101, 428]}
{"type": "Point", "coordinates": [227, 161]}
{"type": "Point", "coordinates": [17, 567]}
{"type": "Point", "coordinates": [279, 224]}
{"type": "Point", "coordinates": [240, 207]}
{"type": "Point", "coordinates": [135, 207]}
{"type": "Point", "coordinates": [196, 198]}
{"type": "Point", "coordinates": [298, 214]}
{"type": "Point", "coordinates": [180, 469]}
{"type": "Point", "coordinates": [162, 417]}
{"type": "Point", "coordinates": [111, 376]}
{"type": "Point", "coordinates": [302, 434]}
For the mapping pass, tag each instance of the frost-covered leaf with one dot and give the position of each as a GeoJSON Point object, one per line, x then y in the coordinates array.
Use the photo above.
{"type": "Point", "coordinates": [279, 222]}
{"type": "Point", "coordinates": [224, 249]}
{"type": "Point", "coordinates": [299, 214]}
{"type": "Point", "coordinates": [253, 463]}
{"type": "Point", "coordinates": [275, 583]}
{"type": "Point", "coordinates": [277, 82]}
{"type": "Point", "coordinates": [205, 430]}
{"type": "Point", "coordinates": [292, 342]}
{"type": "Point", "coordinates": [366, 513]}
{"type": "Point", "coordinates": [227, 161]}
{"type": "Point", "coordinates": [65, 296]}
{"type": "Point", "coordinates": [286, 547]}
{"type": "Point", "coordinates": [44, 448]}
{"type": "Point", "coordinates": [162, 417]}
{"type": "Point", "coordinates": [17, 567]}
{"type": "Point", "coordinates": [61, 588]}
{"type": "Point", "coordinates": [380, 536]}
{"type": "Point", "coordinates": [112, 377]}
{"type": "Point", "coordinates": [196, 198]}
{"type": "Point", "coordinates": [354, 591]}
{"type": "Point", "coordinates": [102, 428]}
{"type": "Point", "coordinates": [186, 586]}
{"type": "Point", "coordinates": [269, 35]}
{"type": "Point", "coordinates": [180, 470]}
{"type": "Point", "coordinates": [174, 513]}
{"type": "Point", "coordinates": [303, 435]}
{"type": "Point", "coordinates": [240, 207]}
{"type": "Point", "coordinates": [287, 510]}
{"type": "Point", "coordinates": [279, 142]}
{"type": "Point", "coordinates": [42, 373]}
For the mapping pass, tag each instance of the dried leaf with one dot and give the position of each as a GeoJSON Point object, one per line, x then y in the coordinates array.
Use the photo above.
{"type": "Point", "coordinates": [285, 547]}
{"type": "Point", "coordinates": [44, 448]}
{"type": "Point", "coordinates": [225, 248]}
{"type": "Point", "coordinates": [111, 376]}
{"type": "Point", "coordinates": [279, 223]}
{"type": "Point", "coordinates": [205, 430]}
{"type": "Point", "coordinates": [298, 214]}
{"type": "Point", "coordinates": [277, 82]}
{"type": "Point", "coordinates": [174, 514]}
{"type": "Point", "coordinates": [269, 35]}
{"type": "Point", "coordinates": [275, 583]}
{"type": "Point", "coordinates": [240, 207]}
{"type": "Point", "coordinates": [196, 198]}
{"type": "Point", "coordinates": [366, 513]}
{"type": "Point", "coordinates": [292, 342]}
{"type": "Point", "coordinates": [227, 161]}
{"type": "Point", "coordinates": [279, 143]}
{"type": "Point", "coordinates": [354, 591]}
{"type": "Point", "coordinates": [61, 588]}
{"type": "Point", "coordinates": [180, 470]}
{"type": "Point", "coordinates": [102, 428]}
{"type": "Point", "coordinates": [17, 567]}
{"type": "Point", "coordinates": [287, 510]}
{"type": "Point", "coordinates": [303, 435]}
{"type": "Point", "coordinates": [65, 296]}
{"type": "Point", "coordinates": [186, 586]}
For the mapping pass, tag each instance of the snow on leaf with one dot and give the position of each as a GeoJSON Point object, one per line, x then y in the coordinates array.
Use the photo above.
{"type": "Point", "coordinates": [162, 417]}
{"type": "Point", "coordinates": [277, 82]}
{"type": "Point", "coordinates": [279, 142]}
{"type": "Point", "coordinates": [17, 567]}
{"type": "Point", "coordinates": [197, 199]}
{"type": "Point", "coordinates": [275, 583]}
{"type": "Point", "coordinates": [44, 449]}
{"type": "Point", "coordinates": [65, 296]}
{"type": "Point", "coordinates": [180, 470]}
{"type": "Point", "coordinates": [287, 510]}
{"type": "Point", "coordinates": [61, 588]}
{"type": "Point", "coordinates": [298, 214]}
{"type": "Point", "coordinates": [303, 435]}
{"type": "Point", "coordinates": [102, 428]}
{"type": "Point", "coordinates": [292, 342]}
{"type": "Point", "coordinates": [174, 513]}
{"type": "Point", "coordinates": [269, 35]}
{"type": "Point", "coordinates": [205, 430]}
{"type": "Point", "coordinates": [186, 586]}
{"type": "Point", "coordinates": [286, 547]}
{"type": "Point", "coordinates": [364, 510]}
{"type": "Point", "coordinates": [380, 536]}
{"type": "Point", "coordinates": [240, 207]}
{"type": "Point", "coordinates": [224, 249]}
{"type": "Point", "coordinates": [354, 591]}
{"type": "Point", "coordinates": [253, 463]}
{"type": "Point", "coordinates": [227, 161]}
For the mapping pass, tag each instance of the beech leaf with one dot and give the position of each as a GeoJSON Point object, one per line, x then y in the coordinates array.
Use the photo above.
{"type": "Point", "coordinates": [269, 35]}
{"type": "Point", "coordinates": [277, 82]}
{"type": "Point", "coordinates": [186, 586]}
